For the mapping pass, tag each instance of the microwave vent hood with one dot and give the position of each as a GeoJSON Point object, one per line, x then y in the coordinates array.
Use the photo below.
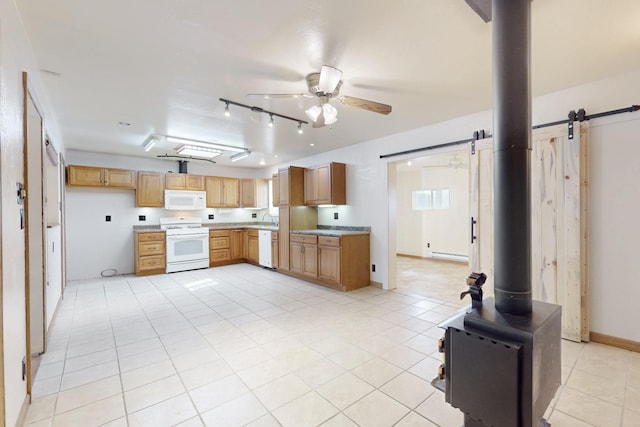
{"type": "Point", "coordinates": [185, 200]}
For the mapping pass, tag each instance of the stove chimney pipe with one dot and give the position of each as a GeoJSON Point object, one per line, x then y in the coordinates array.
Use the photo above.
{"type": "Point", "coordinates": [511, 154]}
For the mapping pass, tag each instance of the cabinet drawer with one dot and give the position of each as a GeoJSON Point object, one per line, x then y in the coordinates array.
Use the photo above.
{"type": "Point", "coordinates": [219, 255]}
{"type": "Point", "coordinates": [303, 238]}
{"type": "Point", "coordinates": [219, 243]}
{"type": "Point", "coordinates": [328, 241]}
{"type": "Point", "coordinates": [150, 248]}
{"type": "Point", "coordinates": [253, 233]}
{"type": "Point", "coordinates": [219, 233]}
{"type": "Point", "coordinates": [146, 237]}
{"type": "Point", "coordinates": [151, 262]}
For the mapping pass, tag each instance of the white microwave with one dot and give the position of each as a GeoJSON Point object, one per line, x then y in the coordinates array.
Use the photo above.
{"type": "Point", "coordinates": [185, 200]}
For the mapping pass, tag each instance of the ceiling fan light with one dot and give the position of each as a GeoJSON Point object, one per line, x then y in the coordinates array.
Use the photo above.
{"type": "Point", "coordinates": [330, 114]}
{"type": "Point", "coordinates": [329, 78]}
{"type": "Point", "coordinates": [314, 112]}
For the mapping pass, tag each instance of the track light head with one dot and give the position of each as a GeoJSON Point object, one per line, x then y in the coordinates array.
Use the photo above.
{"type": "Point", "coordinates": [227, 113]}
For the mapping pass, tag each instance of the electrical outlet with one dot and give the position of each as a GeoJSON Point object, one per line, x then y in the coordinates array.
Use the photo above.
{"type": "Point", "coordinates": [107, 218]}
{"type": "Point", "coordinates": [142, 217]}
{"type": "Point", "coordinates": [373, 268]}
{"type": "Point", "coordinates": [210, 216]}
{"type": "Point", "coordinates": [428, 245]}
{"type": "Point", "coordinates": [335, 215]}
{"type": "Point", "coordinates": [254, 215]}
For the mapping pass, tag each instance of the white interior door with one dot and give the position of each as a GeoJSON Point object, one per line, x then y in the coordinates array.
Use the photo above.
{"type": "Point", "coordinates": [558, 221]}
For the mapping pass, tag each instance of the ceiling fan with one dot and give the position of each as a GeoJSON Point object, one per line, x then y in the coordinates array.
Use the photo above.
{"type": "Point", "coordinates": [325, 85]}
{"type": "Point", "coordinates": [453, 163]}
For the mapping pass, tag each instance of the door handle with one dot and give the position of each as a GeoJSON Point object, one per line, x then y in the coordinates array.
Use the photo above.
{"type": "Point", "coordinates": [473, 223]}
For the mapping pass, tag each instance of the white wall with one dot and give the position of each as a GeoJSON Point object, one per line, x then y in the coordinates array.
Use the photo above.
{"type": "Point", "coordinates": [445, 230]}
{"type": "Point", "coordinates": [368, 195]}
{"type": "Point", "coordinates": [96, 246]}
{"type": "Point", "coordinates": [15, 57]}
{"type": "Point", "coordinates": [53, 290]}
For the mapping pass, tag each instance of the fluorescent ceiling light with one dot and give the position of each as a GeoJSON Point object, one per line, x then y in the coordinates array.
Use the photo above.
{"type": "Point", "coordinates": [150, 143]}
{"type": "Point", "coordinates": [205, 144]}
{"type": "Point", "coordinates": [197, 151]}
{"type": "Point", "coordinates": [240, 156]}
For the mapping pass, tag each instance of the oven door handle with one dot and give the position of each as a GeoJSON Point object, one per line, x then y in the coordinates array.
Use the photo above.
{"type": "Point", "coordinates": [188, 237]}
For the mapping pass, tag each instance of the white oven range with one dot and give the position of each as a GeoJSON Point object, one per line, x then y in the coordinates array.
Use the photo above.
{"type": "Point", "coordinates": [187, 243]}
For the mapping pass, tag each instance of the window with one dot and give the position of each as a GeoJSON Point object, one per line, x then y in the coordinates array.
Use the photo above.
{"type": "Point", "coordinates": [422, 200]}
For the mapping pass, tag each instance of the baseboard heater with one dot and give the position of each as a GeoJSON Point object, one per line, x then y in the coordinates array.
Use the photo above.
{"type": "Point", "coordinates": [450, 257]}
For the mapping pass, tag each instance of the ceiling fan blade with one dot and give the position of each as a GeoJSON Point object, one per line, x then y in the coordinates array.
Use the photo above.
{"type": "Point", "coordinates": [376, 107]}
{"type": "Point", "coordinates": [278, 95]}
{"type": "Point", "coordinates": [329, 78]}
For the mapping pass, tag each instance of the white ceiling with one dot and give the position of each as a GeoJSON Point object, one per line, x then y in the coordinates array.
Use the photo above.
{"type": "Point", "coordinates": [162, 65]}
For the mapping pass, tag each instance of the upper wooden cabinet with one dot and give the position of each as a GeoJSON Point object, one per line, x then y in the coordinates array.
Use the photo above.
{"type": "Point", "coordinates": [222, 192]}
{"type": "Point", "coordinates": [183, 181]}
{"type": "Point", "coordinates": [291, 186]}
{"type": "Point", "coordinates": [275, 188]}
{"type": "Point", "coordinates": [254, 193]}
{"type": "Point", "coordinates": [150, 190]}
{"type": "Point", "coordinates": [325, 185]}
{"type": "Point", "coordinates": [88, 176]}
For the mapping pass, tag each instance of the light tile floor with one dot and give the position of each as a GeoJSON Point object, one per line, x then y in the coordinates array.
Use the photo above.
{"type": "Point", "coordinates": [240, 345]}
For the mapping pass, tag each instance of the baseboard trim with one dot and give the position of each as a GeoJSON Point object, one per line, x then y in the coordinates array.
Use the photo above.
{"type": "Point", "coordinates": [615, 341]}
{"type": "Point", "coordinates": [376, 284]}
{"type": "Point", "coordinates": [432, 258]}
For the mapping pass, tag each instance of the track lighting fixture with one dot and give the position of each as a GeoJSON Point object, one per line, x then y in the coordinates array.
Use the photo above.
{"type": "Point", "coordinates": [254, 109]}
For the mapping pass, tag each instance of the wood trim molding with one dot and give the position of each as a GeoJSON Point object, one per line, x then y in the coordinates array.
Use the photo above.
{"type": "Point", "coordinates": [431, 258]}
{"type": "Point", "coordinates": [615, 341]}
{"type": "Point", "coordinates": [376, 284]}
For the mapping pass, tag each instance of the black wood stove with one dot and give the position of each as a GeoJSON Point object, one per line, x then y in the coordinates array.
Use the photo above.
{"type": "Point", "coordinates": [502, 356]}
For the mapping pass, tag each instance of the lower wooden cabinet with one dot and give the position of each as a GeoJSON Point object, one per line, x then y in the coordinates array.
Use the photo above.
{"type": "Point", "coordinates": [304, 254]}
{"type": "Point", "coordinates": [150, 253]}
{"type": "Point", "coordinates": [329, 259]}
{"type": "Point", "coordinates": [225, 247]}
{"type": "Point", "coordinates": [339, 262]}
{"type": "Point", "coordinates": [252, 248]}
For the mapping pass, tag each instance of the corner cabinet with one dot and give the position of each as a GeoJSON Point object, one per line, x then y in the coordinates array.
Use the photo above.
{"type": "Point", "coordinates": [150, 190]}
{"type": "Point", "coordinates": [222, 192]}
{"type": "Point", "coordinates": [325, 185]}
{"type": "Point", "coordinates": [150, 253]}
{"type": "Point", "coordinates": [183, 181]}
{"type": "Point", "coordinates": [88, 176]}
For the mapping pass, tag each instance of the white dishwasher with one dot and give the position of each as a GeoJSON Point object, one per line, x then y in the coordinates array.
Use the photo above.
{"type": "Point", "coordinates": [264, 248]}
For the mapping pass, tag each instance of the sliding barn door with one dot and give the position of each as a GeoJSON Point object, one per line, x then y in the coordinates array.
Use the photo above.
{"type": "Point", "coordinates": [481, 211]}
{"type": "Point", "coordinates": [558, 220]}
